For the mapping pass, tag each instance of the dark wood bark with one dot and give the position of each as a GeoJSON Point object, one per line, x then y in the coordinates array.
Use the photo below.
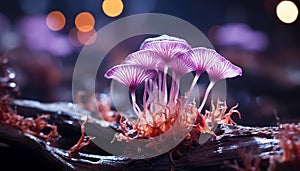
{"type": "Point", "coordinates": [231, 142]}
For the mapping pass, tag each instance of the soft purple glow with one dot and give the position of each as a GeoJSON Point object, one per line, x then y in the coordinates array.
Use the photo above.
{"type": "Point", "coordinates": [38, 37]}
{"type": "Point", "coordinates": [242, 35]}
{"type": "Point", "coordinates": [60, 47]}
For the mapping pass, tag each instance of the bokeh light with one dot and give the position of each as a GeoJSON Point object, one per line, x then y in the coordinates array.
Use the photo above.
{"type": "Point", "coordinates": [38, 37]}
{"type": "Point", "coordinates": [85, 22]}
{"type": "Point", "coordinates": [112, 8]}
{"type": "Point", "coordinates": [55, 20]}
{"type": "Point", "coordinates": [73, 37]}
{"type": "Point", "coordinates": [87, 38]}
{"type": "Point", "coordinates": [287, 11]}
{"type": "Point", "coordinates": [230, 35]}
{"type": "Point", "coordinates": [79, 38]}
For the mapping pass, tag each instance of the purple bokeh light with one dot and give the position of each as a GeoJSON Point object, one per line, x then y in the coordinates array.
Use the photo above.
{"type": "Point", "coordinates": [242, 35]}
{"type": "Point", "coordinates": [38, 37]}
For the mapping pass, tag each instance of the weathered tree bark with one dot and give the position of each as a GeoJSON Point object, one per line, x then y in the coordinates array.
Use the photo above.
{"type": "Point", "coordinates": [231, 143]}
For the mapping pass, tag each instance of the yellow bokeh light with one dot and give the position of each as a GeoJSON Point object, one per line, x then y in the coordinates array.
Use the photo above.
{"type": "Point", "coordinates": [287, 11]}
{"type": "Point", "coordinates": [112, 8]}
{"type": "Point", "coordinates": [85, 22]}
{"type": "Point", "coordinates": [55, 20]}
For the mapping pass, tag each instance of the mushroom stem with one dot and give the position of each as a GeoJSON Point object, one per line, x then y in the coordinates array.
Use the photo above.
{"type": "Point", "coordinates": [135, 107]}
{"type": "Point", "coordinates": [209, 87]}
{"type": "Point", "coordinates": [164, 88]}
{"type": "Point", "coordinates": [146, 90]}
{"type": "Point", "coordinates": [176, 89]}
{"type": "Point", "coordinates": [159, 85]}
{"type": "Point", "coordinates": [188, 94]}
{"type": "Point", "coordinates": [173, 88]}
{"type": "Point", "coordinates": [194, 83]}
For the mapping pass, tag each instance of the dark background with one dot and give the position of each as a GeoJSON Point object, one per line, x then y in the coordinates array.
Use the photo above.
{"type": "Point", "coordinates": [246, 32]}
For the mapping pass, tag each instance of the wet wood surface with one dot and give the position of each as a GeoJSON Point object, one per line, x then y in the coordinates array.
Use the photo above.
{"type": "Point", "coordinates": [215, 154]}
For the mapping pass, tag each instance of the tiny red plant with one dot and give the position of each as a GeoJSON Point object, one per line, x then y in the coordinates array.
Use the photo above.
{"type": "Point", "coordinates": [82, 142]}
{"type": "Point", "coordinates": [8, 116]}
{"type": "Point", "coordinates": [289, 142]}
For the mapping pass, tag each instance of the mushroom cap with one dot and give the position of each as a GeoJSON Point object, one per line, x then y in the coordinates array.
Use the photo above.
{"type": "Point", "coordinates": [130, 75]}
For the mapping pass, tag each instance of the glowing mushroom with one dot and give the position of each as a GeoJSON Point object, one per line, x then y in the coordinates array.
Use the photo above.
{"type": "Point", "coordinates": [202, 58]}
{"type": "Point", "coordinates": [179, 66]}
{"type": "Point", "coordinates": [131, 76]}
{"type": "Point", "coordinates": [148, 60]}
{"type": "Point", "coordinates": [220, 70]}
{"type": "Point", "coordinates": [167, 48]}
{"type": "Point", "coordinates": [144, 58]}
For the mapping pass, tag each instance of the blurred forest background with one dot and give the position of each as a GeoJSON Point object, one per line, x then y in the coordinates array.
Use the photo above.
{"type": "Point", "coordinates": [258, 35]}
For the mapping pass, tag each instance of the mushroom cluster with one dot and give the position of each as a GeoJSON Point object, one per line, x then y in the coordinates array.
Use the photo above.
{"type": "Point", "coordinates": [156, 56]}
{"type": "Point", "coordinates": [164, 108]}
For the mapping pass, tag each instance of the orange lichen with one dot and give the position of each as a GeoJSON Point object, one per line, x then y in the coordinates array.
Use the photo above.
{"type": "Point", "coordinates": [250, 161]}
{"type": "Point", "coordinates": [83, 141]}
{"type": "Point", "coordinates": [100, 105]}
{"type": "Point", "coordinates": [28, 125]}
{"type": "Point", "coordinates": [153, 123]}
{"type": "Point", "coordinates": [85, 100]}
{"type": "Point", "coordinates": [38, 126]}
{"type": "Point", "coordinates": [289, 142]}
{"type": "Point", "coordinates": [218, 113]}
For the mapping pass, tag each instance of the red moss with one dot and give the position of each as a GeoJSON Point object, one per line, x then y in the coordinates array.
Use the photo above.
{"type": "Point", "coordinates": [82, 142]}
{"type": "Point", "coordinates": [289, 142]}
{"type": "Point", "coordinates": [218, 113]}
{"type": "Point", "coordinates": [102, 107]}
{"type": "Point", "coordinates": [153, 123]}
{"type": "Point", "coordinates": [28, 125]}
{"type": "Point", "coordinates": [250, 161]}
{"type": "Point", "coordinates": [10, 117]}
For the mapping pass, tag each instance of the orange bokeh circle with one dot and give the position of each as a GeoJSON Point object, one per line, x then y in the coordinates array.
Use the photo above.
{"type": "Point", "coordinates": [85, 21]}
{"type": "Point", "coordinates": [55, 20]}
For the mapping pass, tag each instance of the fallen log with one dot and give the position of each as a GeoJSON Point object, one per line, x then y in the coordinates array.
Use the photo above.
{"type": "Point", "coordinates": [234, 148]}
